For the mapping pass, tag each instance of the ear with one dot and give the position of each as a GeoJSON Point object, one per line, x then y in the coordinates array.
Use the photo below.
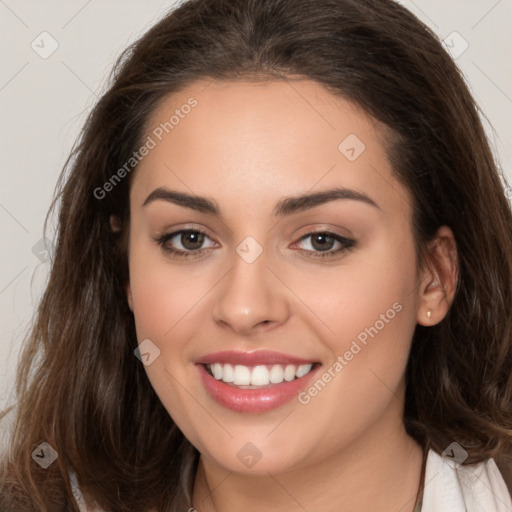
{"type": "Point", "coordinates": [438, 281]}
{"type": "Point", "coordinates": [115, 223]}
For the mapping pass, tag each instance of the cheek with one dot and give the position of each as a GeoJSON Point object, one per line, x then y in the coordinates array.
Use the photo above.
{"type": "Point", "coordinates": [164, 293]}
{"type": "Point", "coordinates": [369, 295]}
{"type": "Point", "coordinates": [164, 300]}
{"type": "Point", "coordinates": [366, 318]}
{"type": "Point", "coordinates": [370, 315]}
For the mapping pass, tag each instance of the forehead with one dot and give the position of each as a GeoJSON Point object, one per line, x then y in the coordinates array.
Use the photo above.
{"type": "Point", "coordinates": [265, 139]}
{"type": "Point", "coordinates": [281, 113]}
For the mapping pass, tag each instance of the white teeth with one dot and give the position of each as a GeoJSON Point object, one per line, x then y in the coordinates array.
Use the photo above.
{"type": "Point", "coordinates": [289, 372]}
{"type": "Point", "coordinates": [261, 375]}
{"type": "Point", "coordinates": [228, 373]}
{"type": "Point", "coordinates": [276, 374]}
{"type": "Point", "coordinates": [303, 369]}
{"type": "Point", "coordinates": [242, 375]}
{"type": "Point", "coordinates": [217, 371]}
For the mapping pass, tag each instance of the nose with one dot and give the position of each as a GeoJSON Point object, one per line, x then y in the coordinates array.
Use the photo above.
{"type": "Point", "coordinates": [251, 298]}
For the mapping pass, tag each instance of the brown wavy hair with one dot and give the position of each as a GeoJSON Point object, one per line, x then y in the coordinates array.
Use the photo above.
{"type": "Point", "coordinates": [79, 386]}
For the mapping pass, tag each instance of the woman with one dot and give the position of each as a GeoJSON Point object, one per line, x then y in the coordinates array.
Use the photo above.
{"type": "Point", "coordinates": [279, 282]}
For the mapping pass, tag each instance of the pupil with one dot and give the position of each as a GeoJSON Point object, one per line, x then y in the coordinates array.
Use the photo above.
{"type": "Point", "coordinates": [323, 238]}
{"type": "Point", "coordinates": [195, 239]}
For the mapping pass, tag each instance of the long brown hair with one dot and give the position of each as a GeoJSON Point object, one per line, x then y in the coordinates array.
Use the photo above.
{"type": "Point", "coordinates": [79, 386]}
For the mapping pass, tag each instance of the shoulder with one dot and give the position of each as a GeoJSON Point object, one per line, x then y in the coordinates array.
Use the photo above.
{"type": "Point", "coordinates": [452, 487]}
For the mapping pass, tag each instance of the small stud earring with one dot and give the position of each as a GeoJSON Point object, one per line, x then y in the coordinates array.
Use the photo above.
{"type": "Point", "coordinates": [429, 314]}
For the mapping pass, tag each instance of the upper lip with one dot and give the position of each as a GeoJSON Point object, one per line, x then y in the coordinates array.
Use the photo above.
{"type": "Point", "coordinates": [259, 357]}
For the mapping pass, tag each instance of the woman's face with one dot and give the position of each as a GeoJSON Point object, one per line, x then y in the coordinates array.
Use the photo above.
{"type": "Point", "coordinates": [260, 298]}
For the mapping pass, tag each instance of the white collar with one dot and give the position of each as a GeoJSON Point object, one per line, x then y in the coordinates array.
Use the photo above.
{"type": "Point", "coordinates": [451, 487]}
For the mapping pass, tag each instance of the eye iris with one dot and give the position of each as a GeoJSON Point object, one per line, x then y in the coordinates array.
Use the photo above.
{"type": "Point", "coordinates": [323, 239]}
{"type": "Point", "coordinates": [195, 239]}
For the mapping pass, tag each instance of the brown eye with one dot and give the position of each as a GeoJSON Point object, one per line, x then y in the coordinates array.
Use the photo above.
{"type": "Point", "coordinates": [191, 240]}
{"type": "Point", "coordinates": [322, 243]}
{"type": "Point", "coordinates": [185, 242]}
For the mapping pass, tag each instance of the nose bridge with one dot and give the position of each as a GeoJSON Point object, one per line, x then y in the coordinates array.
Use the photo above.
{"type": "Point", "coordinates": [250, 295]}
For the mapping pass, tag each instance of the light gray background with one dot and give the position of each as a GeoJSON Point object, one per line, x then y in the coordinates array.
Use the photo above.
{"type": "Point", "coordinates": [44, 101]}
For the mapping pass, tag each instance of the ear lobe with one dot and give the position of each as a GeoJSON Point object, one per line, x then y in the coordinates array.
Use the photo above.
{"type": "Point", "coordinates": [439, 282]}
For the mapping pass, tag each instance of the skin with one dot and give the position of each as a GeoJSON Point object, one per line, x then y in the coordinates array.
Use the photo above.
{"type": "Point", "coordinates": [247, 145]}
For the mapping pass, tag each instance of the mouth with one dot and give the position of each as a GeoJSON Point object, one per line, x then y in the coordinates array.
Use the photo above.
{"type": "Point", "coordinates": [259, 376]}
{"type": "Point", "coordinates": [255, 381]}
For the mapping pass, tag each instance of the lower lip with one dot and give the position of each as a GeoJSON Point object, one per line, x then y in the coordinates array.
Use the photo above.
{"type": "Point", "coordinates": [253, 400]}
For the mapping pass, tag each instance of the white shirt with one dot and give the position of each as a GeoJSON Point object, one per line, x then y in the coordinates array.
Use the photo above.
{"type": "Point", "coordinates": [450, 487]}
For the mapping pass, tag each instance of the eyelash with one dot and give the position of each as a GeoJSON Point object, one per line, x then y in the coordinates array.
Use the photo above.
{"type": "Point", "coordinates": [348, 244]}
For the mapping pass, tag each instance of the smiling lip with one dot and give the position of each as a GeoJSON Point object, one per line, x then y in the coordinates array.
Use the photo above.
{"type": "Point", "coordinates": [253, 400]}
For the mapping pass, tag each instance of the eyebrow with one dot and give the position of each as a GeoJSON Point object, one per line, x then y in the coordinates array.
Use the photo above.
{"type": "Point", "coordinates": [285, 207]}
